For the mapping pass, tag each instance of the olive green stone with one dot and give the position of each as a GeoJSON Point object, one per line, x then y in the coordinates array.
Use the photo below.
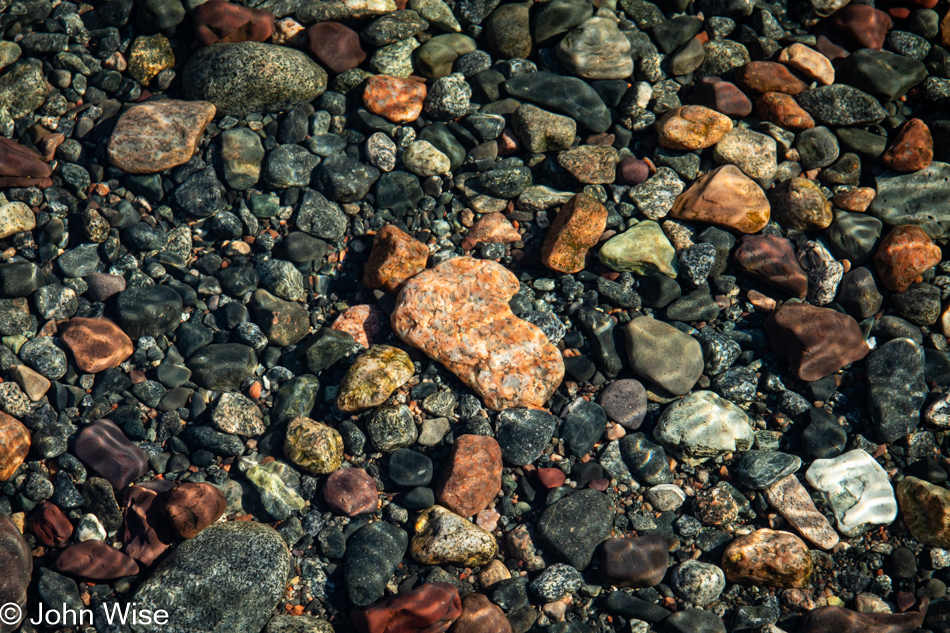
{"type": "Point", "coordinates": [643, 249]}
{"type": "Point", "coordinates": [275, 482]}
{"type": "Point", "coordinates": [435, 58]}
{"type": "Point", "coordinates": [375, 375]}
{"type": "Point", "coordinates": [507, 31]}
{"type": "Point", "coordinates": [315, 447]}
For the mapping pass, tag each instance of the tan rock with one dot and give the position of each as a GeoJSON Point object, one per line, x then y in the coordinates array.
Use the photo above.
{"type": "Point", "coordinates": [808, 62]}
{"type": "Point", "coordinates": [158, 135]}
{"type": "Point", "coordinates": [97, 344]}
{"type": "Point", "coordinates": [493, 228]}
{"type": "Point", "coordinates": [577, 227]}
{"type": "Point", "coordinates": [458, 314]}
{"type": "Point", "coordinates": [444, 537]}
{"type": "Point", "coordinates": [789, 497]}
{"type": "Point", "coordinates": [925, 508]}
{"type": "Point", "coordinates": [692, 127]}
{"type": "Point", "coordinates": [34, 384]}
{"type": "Point", "coordinates": [727, 198]}
{"type": "Point", "coordinates": [768, 558]}
{"type": "Point", "coordinates": [14, 445]}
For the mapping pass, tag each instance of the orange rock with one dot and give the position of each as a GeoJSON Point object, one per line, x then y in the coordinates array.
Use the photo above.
{"type": "Point", "coordinates": [473, 477]}
{"type": "Point", "coordinates": [577, 227]}
{"type": "Point", "coordinates": [757, 77]}
{"type": "Point", "coordinates": [458, 314]}
{"type": "Point", "coordinates": [782, 110]}
{"type": "Point", "coordinates": [50, 525]}
{"type": "Point", "coordinates": [217, 22]}
{"type": "Point", "coordinates": [912, 149]}
{"type": "Point", "coordinates": [429, 608]}
{"type": "Point", "coordinates": [768, 558]}
{"type": "Point", "coordinates": [395, 258]}
{"type": "Point", "coordinates": [903, 255]}
{"type": "Point", "coordinates": [363, 322]}
{"type": "Point", "coordinates": [191, 507]}
{"type": "Point", "coordinates": [945, 30]}
{"type": "Point", "coordinates": [722, 96]}
{"type": "Point", "coordinates": [725, 197]}
{"type": "Point", "coordinates": [97, 344]}
{"type": "Point", "coordinates": [858, 199]}
{"type": "Point", "coordinates": [692, 127]}
{"type": "Point", "coordinates": [480, 615]}
{"type": "Point", "coordinates": [808, 62]}
{"type": "Point", "coordinates": [394, 98]}
{"type": "Point", "coordinates": [151, 137]}
{"type": "Point", "coordinates": [14, 445]}
{"type": "Point", "coordinates": [492, 228]}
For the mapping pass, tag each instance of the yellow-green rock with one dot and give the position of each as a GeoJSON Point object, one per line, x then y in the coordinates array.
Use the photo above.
{"type": "Point", "coordinates": [315, 447]}
{"type": "Point", "coordinates": [642, 249]}
{"type": "Point", "coordinates": [275, 482]}
{"type": "Point", "coordinates": [925, 508]}
{"type": "Point", "coordinates": [375, 375]}
{"type": "Point", "coordinates": [150, 55]}
{"type": "Point", "coordinates": [445, 537]}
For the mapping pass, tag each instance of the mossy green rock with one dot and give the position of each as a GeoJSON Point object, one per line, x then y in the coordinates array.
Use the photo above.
{"type": "Point", "coordinates": [642, 249]}
{"type": "Point", "coordinates": [275, 482]}
{"type": "Point", "coordinates": [435, 58]}
{"type": "Point", "coordinates": [508, 31]}
{"type": "Point", "coordinates": [315, 447]}
{"type": "Point", "coordinates": [375, 375]}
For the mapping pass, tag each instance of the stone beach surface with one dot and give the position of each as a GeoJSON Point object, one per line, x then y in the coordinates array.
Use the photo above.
{"type": "Point", "coordinates": [471, 316]}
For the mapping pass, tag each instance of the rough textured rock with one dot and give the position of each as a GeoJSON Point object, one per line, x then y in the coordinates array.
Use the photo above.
{"type": "Point", "coordinates": [791, 499]}
{"type": "Point", "coordinates": [395, 258]}
{"type": "Point", "coordinates": [315, 447]}
{"type": "Point", "coordinates": [152, 137]}
{"type": "Point", "coordinates": [375, 375]}
{"type": "Point", "coordinates": [472, 478]}
{"type": "Point", "coordinates": [926, 510]}
{"type": "Point", "coordinates": [14, 445]}
{"type": "Point", "coordinates": [96, 344]}
{"type": "Point", "coordinates": [692, 127]}
{"type": "Point", "coordinates": [768, 557]}
{"type": "Point", "coordinates": [445, 537]}
{"type": "Point", "coordinates": [431, 608]}
{"type": "Point", "coordinates": [703, 425]}
{"type": "Point", "coordinates": [905, 253]}
{"type": "Point", "coordinates": [576, 228]}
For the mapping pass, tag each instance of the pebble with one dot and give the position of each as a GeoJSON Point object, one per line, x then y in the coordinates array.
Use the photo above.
{"type": "Point", "coordinates": [924, 508]}
{"type": "Point", "coordinates": [798, 203]}
{"type": "Point", "coordinates": [392, 427]}
{"type": "Point", "coordinates": [351, 491]}
{"type": "Point", "coordinates": [444, 537]}
{"type": "Point", "coordinates": [575, 525]}
{"type": "Point", "coordinates": [542, 131]}
{"type": "Point", "coordinates": [16, 557]}
{"type": "Point", "coordinates": [95, 560]}
{"type": "Point", "coordinates": [96, 344]}
{"type": "Point", "coordinates": [663, 354]}
{"type": "Point", "coordinates": [315, 447]}
{"type": "Point", "coordinates": [14, 445]}
{"type": "Point", "coordinates": [523, 433]}
{"type": "Point", "coordinates": [634, 562]}
{"type": "Point", "coordinates": [480, 614]}
{"type": "Point", "coordinates": [752, 152]}
{"type": "Point", "coordinates": [789, 497]}
{"type": "Point", "coordinates": [153, 137]}
{"type": "Point", "coordinates": [698, 583]}
{"type": "Point", "coordinates": [692, 127]}
{"type": "Point", "coordinates": [225, 21]}
{"type": "Point", "coordinates": [896, 388]}
{"type": "Point", "coordinates": [625, 402]}
{"type": "Point", "coordinates": [768, 557]}
{"type": "Point", "coordinates": [703, 425]}
{"type": "Point", "coordinates": [193, 507]}
{"type": "Point", "coordinates": [105, 448]}
{"type": "Point", "coordinates": [726, 198]}
{"type": "Point", "coordinates": [642, 249]}
{"type": "Point", "coordinates": [857, 489]}
{"type": "Point", "coordinates": [596, 49]}
{"type": "Point", "coordinates": [912, 148]}
{"type": "Point", "coordinates": [472, 477]}
{"type": "Point", "coordinates": [432, 606]}
{"type": "Point", "coordinates": [905, 253]}
{"type": "Point", "coordinates": [396, 99]}
{"type": "Point", "coordinates": [375, 375]}
{"type": "Point", "coordinates": [808, 62]}
{"type": "Point", "coordinates": [374, 552]}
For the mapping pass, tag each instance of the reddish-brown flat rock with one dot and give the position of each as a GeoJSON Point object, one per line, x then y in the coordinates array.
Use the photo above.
{"type": "Point", "coordinates": [782, 110]}
{"type": "Point", "coordinates": [95, 560]}
{"type": "Point", "coordinates": [336, 46]}
{"type": "Point", "coordinates": [146, 532]}
{"type": "Point", "coordinates": [473, 477]}
{"type": "Point", "coordinates": [191, 507]}
{"type": "Point", "coordinates": [722, 96]}
{"type": "Point", "coordinates": [97, 344]}
{"type": "Point", "coordinates": [912, 149]}
{"type": "Point", "coordinates": [480, 615]}
{"type": "Point", "coordinates": [865, 25]}
{"type": "Point", "coordinates": [429, 608]}
{"type": "Point", "coordinates": [23, 167]}
{"type": "Point", "coordinates": [575, 229]}
{"type": "Point", "coordinates": [217, 22]}
{"type": "Point", "coordinates": [396, 256]}
{"type": "Point", "coordinates": [351, 491]}
{"type": "Point", "coordinates": [159, 135]}
{"type": "Point", "coordinates": [771, 259]}
{"type": "Point", "coordinates": [50, 525]}
{"type": "Point", "coordinates": [491, 228]}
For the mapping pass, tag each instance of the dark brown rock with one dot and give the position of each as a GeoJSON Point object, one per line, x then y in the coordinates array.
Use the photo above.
{"type": "Point", "coordinates": [22, 167]}
{"type": "Point", "coordinates": [335, 46]}
{"type": "Point", "coordinates": [191, 507]}
{"type": "Point", "coordinates": [145, 531]}
{"type": "Point", "coordinates": [429, 608]}
{"type": "Point", "coordinates": [841, 620]}
{"type": "Point", "coordinates": [634, 562]}
{"type": "Point", "coordinates": [351, 491]}
{"type": "Point", "coordinates": [865, 25]}
{"type": "Point", "coordinates": [480, 615]}
{"type": "Point", "coordinates": [104, 447]}
{"type": "Point", "coordinates": [16, 561]}
{"type": "Point", "coordinates": [95, 560]}
{"type": "Point", "coordinates": [771, 259]}
{"type": "Point", "coordinates": [759, 77]}
{"type": "Point", "coordinates": [217, 22]}
{"type": "Point", "coordinates": [722, 96]}
{"type": "Point", "coordinates": [50, 525]}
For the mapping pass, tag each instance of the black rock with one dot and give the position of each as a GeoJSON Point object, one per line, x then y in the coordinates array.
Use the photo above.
{"type": "Point", "coordinates": [919, 304]}
{"type": "Point", "coordinates": [896, 388]}
{"type": "Point", "coordinates": [148, 311]}
{"type": "Point", "coordinates": [201, 195]}
{"type": "Point", "coordinates": [523, 433]}
{"type": "Point", "coordinates": [143, 237]}
{"type": "Point", "coordinates": [574, 526]}
{"type": "Point", "coordinates": [658, 290]}
{"type": "Point", "coordinates": [566, 95]}
{"type": "Point", "coordinates": [582, 425]}
{"type": "Point", "coordinates": [758, 470]}
{"type": "Point", "coordinates": [222, 367]}
{"type": "Point", "coordinates": [880, 73]}
{"type": "Point", "coordinates": [398, 191]}
{"type": "Point", "coordinates": [409, 469]}
{"type": "Point", "coordinates": [419, 499]}
{"type": "Point", "coordinates": [629, 606]}
{"type": "Point", "coordinates": [372, 555]}
{"type": "Point", "coordinates": [598, 328]}
{"type": "Point", "coordinates": [858, 293]}
{"type": "Point", "coordinates": [345, 179]}
{"type": "Point", "coordinates": [823, 438]}
{"type": "Point", "coordinates": [840, 104]}
{"type": "Point", "coordinates": [694, 621]}
{"type": "Point", "coordinates": [646, 459]}
{"type": "Point", "coordinates": [325, 348]}
{"type": "Point", "coordinates": [19, 279]}
{"type": "Point", "coordinates": [295, 398]}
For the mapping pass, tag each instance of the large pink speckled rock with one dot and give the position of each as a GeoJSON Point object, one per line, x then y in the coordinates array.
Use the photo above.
{"type": "Point", "coordinates": [458, 314]}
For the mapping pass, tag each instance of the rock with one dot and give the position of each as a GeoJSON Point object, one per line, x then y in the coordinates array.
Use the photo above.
{"type": "Point", "coordinates": [771, 259]}
{"type": "Point", "coordinates": [799, 204]}
{"type": "Point", "coordinates": [896, 388]}
{"type": "Point", "coordinates": [395, 258]}
{"type": "Point", "coordinates": [760, 77]}
{"type": "Point", "coordinates": [148, 311]}
{"type": "Point", "coordinates": [768, 557]}
{"type": "Point", "coordinates": [375, 375]}
{"type": "Point", "coordinates": [625, 402]}
{"type": "Point", "coordinates": [582, 425]}
{"type": "Point", "coordinates": [104, 447]}
{"type": "Point", "coordinates": [50, 525]}
{"type": "Point", "coordinates": [757, 470]}
{"type": "Point", "coordinates": [444, 537]}
{"type": "Point", "coordinates": [373, 553]}
{"type": "Point", "coordinates": [468, 298]}
{"type": "Point", "coordinates": [857, 488]}
{"type": "Point", "coordinates": [96, 344]}
{"type": "Point", "coordinates": [703, 425]}
{"type": "Point", "coordinates": [698, 583]}
{"type": "Point", "coordinates": [146, 532]}
{"type": "Point", "coordinates": [394, 98]}
{"type": "Point", "coordinates": [848, 621]}
{"type": "Point", "coordinates": [15, 217]}
{"type": "Point", "coordinates": [663, 354]}
{"type": "Point", "coordinates": [23, 167]}
{"type": "Point", "coordinates": [424, 160]}
{"type": "Point", "coordinates": [816, 341]}
{"type": "Point", "coordinates": [95, 560]}
{"type": "Point", "coordinates": [694, 621]}
{"type": "Point", "coordinates": [596, 49]}
{"type": "Point", "coordinates": [575, 525]}
{"type": "Point", "coordinates": [924, 507]}
{"type": "Point", "coordinates": [543, 131]}
{"type": "Point", "coordinates": [634, 562]}
{"type": "Point", "coordinates": [430, 607]}
{"type": "Point", "coordinates": [223, 560]}
{"type": "Point", "coordinates": [576, 228]}
{"type": "Point", "coordinates": [252, 77]}
{"type": "Point", "coordinates": [782, 110]}
{"type": "Point", "coordinates": [241, 156]}
{"type": "Point", "coordinates": [865, 25]}
{"type": "Point", "coordinates": [276, 483]}
{"type": "Point", "coordinates": [310, 11]}
{"type": "Point", "coordinates": [351, 491]}
{"type": "Point", "coordinates": [192, 507]}
{"type": "Point", "coordinates": [751, 152]}
{"type": "Point", "coordinates": [344, 180]}
{"type": "Point", "coordinates": [692, 127]}
{"type": "Point", "coordinates": [557, 581]}
{"type": "Point", "coordinates": [479, 615]}
{"type": "Point", "coordinates": [724, 197]}
{"type": "Point", "coordinates": [789, 497]}
{"type": "Point", "coordinates": [523, 433]}
{"type": "Point", "coordinates": [472, 478]}
{"type": "Point", "coordinates": [507, 31]}
{"type": "Point", "coordinates": [336, 46]}
{"type": "Point", "coordinates": [154, 15]}
{"type": "Point", "coordinates": [722, 96]}
{"type": "Point", "coordinates": [15, 557]}
{"type": "Point", "coordinates": [14, 445]}
{"type": "Point", "coordinates": [809, 63]}
{"type": "Point", "coordinates": [913, 199]}
{"type": "Point", "coordinates": [392, 427]}
{"type": "Point", "coordinates": [222, 367]}
{"type": "Point", "coordinates": [152, 137]}
{"type": "Point", "coordinates": [905, 253]}
{"type": "Point", "coordinates": [315, 447]}
{"type": "Point", "coordinates": [491, 228]}
{"type": "Point", "coordinates": [643, 249]}
{"type": "Point", "coordinates": [221, 22]}
{"type": "Point", "coordinates": [840, 104]}
{"type": "Point", "coordinates": [282, 322]}
{"type": "Point", "coordinates": [436, 57]}
{"type": "Point", "coordinates": [590, 164]}
{"type": "Point", "coordinates": [912, 148]}
{"type": "Point", "coordinates": [567, 95]}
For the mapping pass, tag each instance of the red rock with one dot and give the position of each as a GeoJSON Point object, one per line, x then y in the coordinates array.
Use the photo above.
{"type": "Point", "coordinates": [363, 322]}
{"type": "Point", "coordinates": [97, 344]}
{"type": "Point", "coordinates": [394, 98]}
{"type": "Point", "coordinates": [903, 255]}
{"type": "Point", "coordinates": [16, 561]}
{"type": "Point", "coordinates": [772, 259]}
{"type": "Point", "coordinates": [336, 46]}
{"type": "Point", "coordinates": [768, 558]}
{"type": "Point", "coordinates": [22, 167]}
{"type": "Point", "coordinates": [574, 231]}
{"type": "Point", "coordinates": [912, 149]}
{"type": "Point", "coordinates": [145, 530]}
{"type": "Point", "coordinates": [429, 608]}
{"type": "Point", "coordinates": [816, 341]}
{"type": "Point", "coordinates": [865, 25]}
{"type": "Point", "coordinates": [472, 478]}
{"type": "Point", "coordinates": [95, 560]}
{"type": "Point", "coordinates": [104, 447]}
{"type": "Point", "coordinates": [191, 507]}
{"type": "Point", "coordinates": [551, 477]}
{"type": "Point", "coordinates": [458, 314]}
{"type": "Point", "coordinates": [725, 197]}
{"type": "Point", "coordinates": [632, 171]}
{"type": "Point", "coordinates": [158, 135]}
{"type": "Point", "coordinates": [395, 258]}
{"type": "Point", "coordinates": [722, 96]}
{"type": "Point", "coordinates": [14, 445]}
{"type": "Point", "coordinates": [226, 22]}
{"type": "Point", "coordinates": [782, 110]}
{"type": "Point", "coordinates": [351, 491]}
{"type": "Point", "coordinates": [758, 77]}
{"type": "Point", "coordinates": [634, 562]}
{"type": "Point", "coordinates": [480, 615]}
{"type": "Point", "coordinates": [829, 49]}
{"type": "Point", "coordinates": [491, 228]}
{"type": "Point", "coordinates": [692, 127]}
{"type": "Point", "coordinates": [857, 199]}
{"type": "Point", "coordinates": [50, 525]}
{"type": "Point", "coordinates": [841, 620]}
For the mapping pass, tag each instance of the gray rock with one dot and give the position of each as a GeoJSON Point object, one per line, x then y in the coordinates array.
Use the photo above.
{"type": "Point", "coordinates": [557, 581]}
{"type": "Point", "coordinates": [523, 433]}
{"type": "Point", "coordinates": [575, 525]}
{"type": "Point", "coordinates": [760, 469]}
{"type": "Point", "coordinates": [896, 388]}
{"type": "Point", "coordinates": [663, 354]}
{"type": "Point", "coordinates": [703, 425]}
{"type": "Point", "coordinates": [917, 198]}
{"type": "Point", "coordinates": [698, 583]}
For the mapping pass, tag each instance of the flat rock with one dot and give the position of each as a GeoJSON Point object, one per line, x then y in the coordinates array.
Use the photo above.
{"type": "Point", "coordinates": [104, 447]}
{"type": "Point", "coordinates": [596, 49]}
{"type": "Point", "coordinates": [702, 425]}
{"type": "Point", "coordinates": [789, 497]}
{"type": "Point", "coordinates": [472, 477]}
{"type": "Point", "coordinates": [443, 537]}
{"type": "Point", "coordinates": [692, 127]}
{"type": "Point", "coordinates": [757, 470]}
{"type": "Point", "coordinates": [567, 95]}
{"type": "Point", "coordinates": [915, 198]}
{"type": "Point", "coordinates": [897, 388]}
{"type": "Point", "coordinates": [429, 607]}
{"type": "Point", "coordinates": [643, 249]}
{"type": "Point", "coordinates": [574, 526]}
{"type": "Point", "coordinates": [816, 341]}
{"type": "Point", "coordinates": [155, 136]}
{"type": "Point", "coordinates": [857, 488]}
{"type": "Point", "coordinates": [576, 228]}
{"type": "Point", "coordinates": [97, 344]}
{"type": "Point", "coordinates": [395, 258]}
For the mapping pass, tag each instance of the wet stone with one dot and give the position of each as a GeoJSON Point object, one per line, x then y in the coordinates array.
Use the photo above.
{"type": "Point", "coordinates": [523, 433]}
{"type": "Point", "coordinates": [574, 526]}
{"type": "Point", "coordinates": [896, 388]}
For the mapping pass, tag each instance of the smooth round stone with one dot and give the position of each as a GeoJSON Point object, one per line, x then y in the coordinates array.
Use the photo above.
{"type": "Point", "coordinates": [507, 31]}
{"type": "Point", "coordinates": [392, 427]}
{"type": "Point", "coordinates": [703, 425]}
{"type": "Point", "coordinates": [575, 525]}
{"type": "Point", "coordinates": [193, 507]}
{"type": "Point", "coordinates": [523, 433]}
{"type": "Point", "coordinates": [148, 311]}
{"type": "Point", "coordinates": [625, 402]}
{"type": "Point", "coordinates": [409, 469]}
{"type": "Point", "coordinates": [642, 249]}
{"type": "Point", "coordinates": [372, 555]}
{"type": "Point", "coordinates": [222, 367]}
{"type": "Point", "coordinates": [694, 621]}
{"type": "Point", "coordinates": [768, 557]}
{"type": "Point", "coordinates": [663, 354]}
{"type": "Point", "coordinates": [582, 425]}
{"type": "Point", "coordinates": [315, 447]}
{"type": "Point", "coordinates": [817, 147]}
{"type": "Point", "coordinates": [698, 583]}
{"type": "Point", "coordinates": [666, 497]}
{"type": "Point", "coordinates": [760, 469]}
{"type": "Point", "coordinates": [634, 562]}
{"type": "Point", "coordinates": [351, 491]}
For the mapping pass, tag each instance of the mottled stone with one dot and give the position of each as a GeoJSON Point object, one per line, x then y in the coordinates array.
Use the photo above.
{"type": "Point", "coordinates": [905, 253]}
{"type": "Point", "coordinates": [809, 63]}
{"type": "Point", "coordinates": [573, 526]}
{"type": "Point", "coordinates": [458, 314]}
{"type": "Point", "coordinates": [816, 341]}
{"type": "Point", "coordinates": [596, 50]}
{"type": "Point", "coordinates": [897, 388]}
{"type": "Point", "coordinates": [375, 375]}
{"type": "Point", "coordinates": [491, 228]}
{"type": "Point", "coordinates": [15, 217]}
{"type": "Point", "coordinates": [789, 497]}
{"type": "Point", "coordinates": [14, 445]}
{"type": "Point", "coordinates": [768, 557]}
{"type": "Point", "coordinates": [692, 127]}
{"type": "Point", "coordinates": [395, 258]}
{"type": "Point", "coordinates": [192, 507]}
{"type": "Point", "coordinates": [351, 491]}
{"type": "Point", "coordinates": [925, 508]}
{"type": "Point", "coordinates": [912, 149]}
{"type": "Point", "coordinates": [429, 608]}
{"type": "Point", "coordinates": [634, 562]}
{"type": "Point", "coordinates": [472, 477]}
{"type": "Point", "coordinates": [149, 56]}
{"type": "Point", "coordinates": [724, 197]}
{"type": "Point", "coordinates": [158, 135]}
{"type": "Point", "coordinates": [590, 164]}
{"type": "Point", "coordinates": [315, 447]}
{"type": "Point", "coordinates": [480, 615]}
{"type": "Point", "coordinates": [443, 537]}
{"type": "Point", "coordinates": [703, 425]}
{"type": "Point", "coordinates": [363, 322]}
{"type": "Point", "coordinates": [643, 249]}
{"type": "Point", "coordinates": [576, 228]}
{"type": "Point", "coordinates": [625, 402]}
{"type": "Point", "coordinates": [543, 131]}
{"type": "Point", "coordinates": [799, 204]}
{"type": "Point", "coordinates": [857, 488]}
{"type": "Point", "coordinates": [752, 152]}
{"type": "Point", "coordinates": [97, 344]}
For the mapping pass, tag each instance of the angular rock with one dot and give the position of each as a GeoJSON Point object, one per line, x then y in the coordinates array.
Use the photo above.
{"type": "Point", "coordinates": [576, 228]}
{"type": "Point", "coordinates": [789, 497]}
{"type": "Point", "coordinates": [596, 50]}
{"type": "Point", "coordinates": [724, 197]}
{"type": "Point", "coordinates": [799, 204]}
{"type": "Point", "coordinates": [782, 110]}
{"type": "Point", "coordinates": [912, 148]}
{"type": "Point", "coordinates": [905, 253]}
{"type": "Point", "coordinates": [373, 553]}
{"type": "Point", "coordinates": [643, 249]}
{"type": "Point", "coordinates": [523, 433]}
{"type": "Point", "coordinates": [757, 470]}
{"type": "Point", "coordinates": [15, 217]}
{"type": "Point", "coordinates": [896, 388]}
{"type": "Point", "coordinates": [816, 341]}
{"type": "Point", "coordinates": [575, 525]}
{"type": "Point", "coordinates": [222, 367]}
{"type": "Point", "coordinates": [472, 478]}
{"type": "Point", "coordinates": [395, 258]}
{"type": "Point", "coordinates": [336, 46]}
{"type": "Point", "coordinates": [479, 614]}
{"type": "Point", "coordinates": [771, 259]}
{"type": "Point", "coordinates": [156, 136]}
{"type": "Point", "coordinates": [865, 25]}
{"type": "Point", "coordinates": [925, 508]}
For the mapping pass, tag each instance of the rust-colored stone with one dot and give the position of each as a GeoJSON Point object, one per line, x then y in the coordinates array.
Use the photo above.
{"type": "Point", "coordinates": [816, 341]}
{"type": "Point", "coordinates": [903, 255]}
{"type": "Point", "coordinates": [50, 525]}
{"type": "Point", "coordinates": [577, 227]}
{"type": "Point", "coordinates": [396, 257]}
{"type": "Point", "coordinates": [458, 314]}
{"type": "Point", "coordinates": [159, 135]}
{"type": "Point", "coordinates": [808, 62]}
{"type": "Point", "coordinates": [692, 127]}
{"type": "Point", "coordinates": [725, 197]}
{"type": "Point", "coordinates": [22, 167]}
{"type": "Point", "coordinates": [865, 25]}
{"type": "Point", "coordinates": [759, 77]}
{"type": "Point", "coordinates": [551, 477]}
{"type": "Point", "coordinates": [146, 532]}
{"type": "Point", "coordinates": [722, 96]}
{"type": "Point", "coordinates": [95, 560]}
{"type": "Point", "coordinates": [480, 615]}
{"type": "Point", "coordinates": [912, 149]}
{"type": "Point", "coordinates": [14, 445]}
{"type": "Point", "coordinates": [429, 608]}
{"type": "Point", "coordinates": [364, 323]}
{"type": "Point", "coordinates": [217, 22]}
{"type": "Point", "coordinates": [472, 478]}
{"type": "Point", "coordinates": [857, 199]}
{"type": "Point", "coordinates": [351, 491]}
{"type": "Point", "coordinates": [394, 98]}
{"type": "Point", "coordinates": [771, 259]}
{"type": "Point", "coordinates": [841, 620]}
{"type": "Point", "coordinates": [491, 228]}
{"type": "Point", "coordinates": [191, 507]}
{"type": "Point", "coordinates": [782, 110]}
{"type": "Point", "coordinates": [768, 557]}
{"type": "Point", "coordinates": [336, 46]}
{"type": "Point", "coordinates": [97, 344]}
